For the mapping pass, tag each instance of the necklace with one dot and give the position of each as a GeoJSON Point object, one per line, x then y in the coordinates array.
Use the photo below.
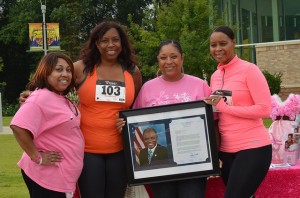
{"type": "Point", "coordinates": [174, 79]}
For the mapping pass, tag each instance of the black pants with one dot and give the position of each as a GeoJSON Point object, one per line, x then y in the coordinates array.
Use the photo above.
{"type": "Point", "coordinates": [37, 191]}
{"type": "Point", "coordinates": [189, 188]}
{"type": "Point", "coordinates": [243, 171]}
{"type": "Point", "coordinates": [103, 176]}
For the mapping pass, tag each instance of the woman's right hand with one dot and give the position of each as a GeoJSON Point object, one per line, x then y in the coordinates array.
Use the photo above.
{"type": "Point", "coordinates": [23, 96]}
{"type": "Point", "coordinates": [220, 166]}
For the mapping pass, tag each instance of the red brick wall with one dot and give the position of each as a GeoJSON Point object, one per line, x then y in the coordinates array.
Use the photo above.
{"type": "Point", "coordinates": [284, 92]}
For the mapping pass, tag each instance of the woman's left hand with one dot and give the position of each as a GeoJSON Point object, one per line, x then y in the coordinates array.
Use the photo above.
{"type": "Point", "coordinates": [212, 100]}
{"type": "Point", "coordinates": [119, 123]}
{"type": "Point", "coordinates": [50, 158]}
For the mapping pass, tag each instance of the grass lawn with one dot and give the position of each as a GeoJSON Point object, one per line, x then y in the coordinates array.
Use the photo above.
{"type": "Point", "coordinates": [11, 181]}
{"type": "Point", "coordinates": [6, 120]}
{"type": "Point", "coordinates": [267, 122]}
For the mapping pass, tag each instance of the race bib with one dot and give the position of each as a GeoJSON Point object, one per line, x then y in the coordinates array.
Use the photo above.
{"type": "Point", "coordinates": [110, 91]}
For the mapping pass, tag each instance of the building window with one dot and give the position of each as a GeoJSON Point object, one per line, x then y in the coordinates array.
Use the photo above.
{"type": "Point", "coordinates": [292, 19]}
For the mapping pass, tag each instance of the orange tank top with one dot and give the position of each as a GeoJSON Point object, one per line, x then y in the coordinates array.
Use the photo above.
{"type": "Point", "coordinates": [98, 118]}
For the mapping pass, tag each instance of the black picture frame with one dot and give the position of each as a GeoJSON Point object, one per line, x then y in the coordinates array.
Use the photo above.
{"type": "Point", "coordinates": [186, 130]}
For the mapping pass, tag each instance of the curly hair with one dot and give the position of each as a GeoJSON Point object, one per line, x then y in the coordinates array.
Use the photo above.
{"type": "Point", "coordinates": [90, 54]}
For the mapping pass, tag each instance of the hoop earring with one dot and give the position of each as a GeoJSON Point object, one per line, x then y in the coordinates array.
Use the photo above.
{"type": "Point", "coordinates": [157, 73]}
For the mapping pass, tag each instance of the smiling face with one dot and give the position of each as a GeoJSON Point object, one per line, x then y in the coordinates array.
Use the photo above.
{"type": "Point", "coordinates": [170, 62]}
{"type": "Point", "coordinates": [150, 139]}
{"type": "Point", "coordinates": [60, 77]}
{"type": "Point", "coordinates": [221, 47]}
{"type": "Point", "coordinates": [110, 45]}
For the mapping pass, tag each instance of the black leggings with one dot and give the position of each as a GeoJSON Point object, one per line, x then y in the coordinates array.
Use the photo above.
{"type": "Point", "coordinates": [37, 191]}
{"type": "Point", "coordinates": [103, 176]}
{"type": "Point", "coordinates": [243, 171]}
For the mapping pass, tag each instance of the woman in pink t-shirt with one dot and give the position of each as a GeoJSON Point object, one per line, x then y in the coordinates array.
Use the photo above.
{"type": "Point", "coordinates": [242, 98]}
{"type": "Point", "coordinates": [173, 86]}
{"type": "Point", "coordinates": [47, 128]}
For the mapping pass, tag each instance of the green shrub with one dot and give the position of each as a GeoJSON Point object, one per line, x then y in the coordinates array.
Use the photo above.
{"type": "Point", "coordinates": [149, 72]}
{"type": "Point", "coordinates": [274, 81]}
{"type": "Point", "coordinates": [9, 109]}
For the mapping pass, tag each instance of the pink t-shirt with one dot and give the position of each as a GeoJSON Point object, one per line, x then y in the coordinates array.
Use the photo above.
{"type": "Point", "coordinates": [52, 120]}
{"type": "Point", "coordinates": [158, 92]}
{"type": "Point", "coordinates": [240, 124]}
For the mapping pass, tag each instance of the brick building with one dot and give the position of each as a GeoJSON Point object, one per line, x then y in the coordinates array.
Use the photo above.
{"type": "Point", "coordinates": [281, 57]}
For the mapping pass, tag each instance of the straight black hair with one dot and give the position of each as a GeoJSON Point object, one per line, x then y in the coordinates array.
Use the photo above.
{"type": "Point", "coordinates": [173, 42]}
{"type": "Point", "coordinates": [226, 30]}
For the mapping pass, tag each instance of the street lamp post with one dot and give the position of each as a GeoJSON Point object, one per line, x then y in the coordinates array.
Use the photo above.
{"type": "Point", "coordinates": [43, 8]}
{"type": "Point", "coordinates": [1, 124]}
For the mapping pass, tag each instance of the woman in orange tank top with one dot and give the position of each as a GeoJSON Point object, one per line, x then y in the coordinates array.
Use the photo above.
{"type": "Point", "coordinates": [107, 80]}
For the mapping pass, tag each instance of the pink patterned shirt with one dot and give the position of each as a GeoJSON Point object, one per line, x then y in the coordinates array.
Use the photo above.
{"type": "Point", "coordinates": [158, 91]}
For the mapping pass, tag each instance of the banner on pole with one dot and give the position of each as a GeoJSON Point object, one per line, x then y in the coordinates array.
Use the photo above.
{"type": "Point", "coordinates": [53, 39]}
{"type": "Point", "coordinates": [36, 37]}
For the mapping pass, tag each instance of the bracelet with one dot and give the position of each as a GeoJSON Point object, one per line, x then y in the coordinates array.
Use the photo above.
{"type": "Point", "coordinates": [39, 159]}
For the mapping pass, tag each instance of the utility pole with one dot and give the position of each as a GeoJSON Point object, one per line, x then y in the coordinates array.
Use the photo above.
{"type": "Point", "coordinates": [43, 8]}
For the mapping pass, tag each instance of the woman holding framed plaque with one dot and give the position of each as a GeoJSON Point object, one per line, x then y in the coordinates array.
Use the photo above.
{"type": "Point", "coordinates": [245, 148]}
{"type": "Point", "coordinates": [173, 86]}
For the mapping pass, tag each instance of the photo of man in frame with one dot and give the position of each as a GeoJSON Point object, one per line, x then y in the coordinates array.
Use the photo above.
{"type": "Point", "coordinates": [151, 146]}
{"type": "Point", "coordinates": [153, 153]}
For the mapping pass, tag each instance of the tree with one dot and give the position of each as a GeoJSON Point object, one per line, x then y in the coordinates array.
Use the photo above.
{"type": "Point", "coordinates": [69, 17]}
{"type": "Point", "coordinates": [95, 11]}
{"type": "Point", "coordinates": [134, 7]}
{"type": "Point", "coordinates": [76, 19]}
{"type": "Point", "coordinates": [188, 21]}
{"type": "Point", "coordinates": [11, 44]}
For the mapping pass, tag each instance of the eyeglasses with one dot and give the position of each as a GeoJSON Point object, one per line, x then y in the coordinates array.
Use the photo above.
{"type": "Point", "coordinates": [72, 106]}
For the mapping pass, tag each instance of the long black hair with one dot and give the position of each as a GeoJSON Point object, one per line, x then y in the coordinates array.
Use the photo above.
{"type": "Point", "coordinates": [90, 54]}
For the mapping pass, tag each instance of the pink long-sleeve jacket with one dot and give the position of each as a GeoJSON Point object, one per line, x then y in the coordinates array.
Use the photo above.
{"type": "Point", "coordinates": [240, 123]}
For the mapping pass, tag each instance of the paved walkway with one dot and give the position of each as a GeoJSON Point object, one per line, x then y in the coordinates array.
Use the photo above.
{"type": "Point", "coordinates": [6, 130]}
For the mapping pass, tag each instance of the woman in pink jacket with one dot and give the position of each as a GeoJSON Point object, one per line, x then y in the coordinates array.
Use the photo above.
{"type": "Point", "coordinates": [242, 98]}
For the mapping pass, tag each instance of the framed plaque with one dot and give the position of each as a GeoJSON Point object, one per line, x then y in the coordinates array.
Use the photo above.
{"type": "Point", "coordinates": [182, 143]}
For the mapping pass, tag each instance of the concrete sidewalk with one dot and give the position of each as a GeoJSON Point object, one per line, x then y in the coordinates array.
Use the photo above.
{"type": "Point", "coordinates": [6, 130]}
